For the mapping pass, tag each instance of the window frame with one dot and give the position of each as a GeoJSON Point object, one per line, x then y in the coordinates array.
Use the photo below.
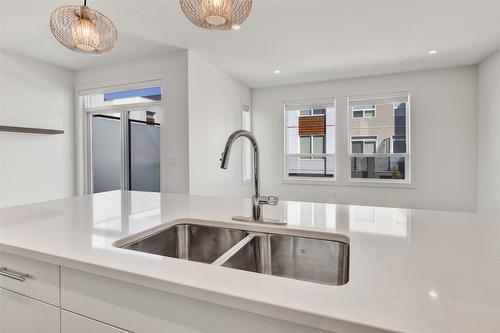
{"type": "Point", "coordinates": [409, 182]}
{"type": "Point", "coordinates": [326, 102]}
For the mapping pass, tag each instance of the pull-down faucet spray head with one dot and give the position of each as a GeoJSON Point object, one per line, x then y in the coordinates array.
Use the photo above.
{"type": "Point", "coordinates": [224, 159]}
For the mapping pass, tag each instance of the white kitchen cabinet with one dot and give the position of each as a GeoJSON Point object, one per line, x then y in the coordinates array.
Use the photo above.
{"type": "Point", "coordinates": [73, 323]}
{"type": "Point", "coordinates": [145, 310]}
{"type": "Point", "coordinates": [21, 314]}
{"type": "Point", "coordinates": [43, 283]}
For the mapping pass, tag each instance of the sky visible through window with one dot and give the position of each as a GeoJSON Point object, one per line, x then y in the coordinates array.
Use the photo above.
{"type": "Point", "coordinates": [152, 93]}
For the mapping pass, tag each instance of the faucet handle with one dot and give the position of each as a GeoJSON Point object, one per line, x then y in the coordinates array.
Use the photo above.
{"type": "Point", "coordinates": [268, 200]}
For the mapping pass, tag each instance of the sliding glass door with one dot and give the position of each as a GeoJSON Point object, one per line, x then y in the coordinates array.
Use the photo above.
{"type": "Point", "coordinates": [106, 152]}
{"type": "Point", "coordinates": [126, 151]}
{"type": "Point", "coordinates": [123, 140]}
{"type": "Point", "coordinates": [144, 152]}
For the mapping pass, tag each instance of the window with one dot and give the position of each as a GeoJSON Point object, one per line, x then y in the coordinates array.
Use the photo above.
{"type": "Point", "coordinates": [246, 148]}
{"type": "Point", "coordinates": [305, 145]}
{"type": "Point", "coordinates": [379, 149]}
{"type": "Point", "coordinates": [113, 97]}
{"type": "Point", "coordinates": [312, 144]}
{"type": "Point", "coordinates": [318, 144]}
{"type": "Point", "coordinates": [310, 139]}
{"type": "Point", "coordinates": [398, 144]}
{"type": "Point", "coordinates": [363, 111]}
{"type": "Point", "coordinates": [363, 144]}
{"type": "Point", "coordinates": [313, 112]}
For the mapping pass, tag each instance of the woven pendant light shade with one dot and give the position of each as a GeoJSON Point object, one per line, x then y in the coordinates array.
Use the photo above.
{"type": "Point", "coordinates": [216, 14]}
{"type": "Point", "coordinates": [82, 29]}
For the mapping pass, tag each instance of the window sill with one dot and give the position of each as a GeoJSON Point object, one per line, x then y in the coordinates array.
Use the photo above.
{"type": "Point", "coordinates": [377, 183]}
{"type": "Point", "coordinates": [310, 181]}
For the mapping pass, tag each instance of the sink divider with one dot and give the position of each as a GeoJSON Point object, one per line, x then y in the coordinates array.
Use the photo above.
{"type": "Point", "coordinates": [183, 242]}
{"type": "Point", "coordinates": [264, 253]}
{"type": "Point", "coordinates": [232, 251]}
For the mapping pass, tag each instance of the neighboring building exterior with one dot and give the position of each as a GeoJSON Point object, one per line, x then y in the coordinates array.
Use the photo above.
{"type": "Point", "coordinates": [377, 134]}
{"type": "Point", "coordinates": [378, 129]}
{"type": "Point", "coordinates": [381, 129]}
{"type": "Point", "coordinates": [311, 142]}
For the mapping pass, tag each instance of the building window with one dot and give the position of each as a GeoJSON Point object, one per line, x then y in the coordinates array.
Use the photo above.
{"type": "Point", "coordinates": [363, 144]}
{"type": "Point", "coordinates": [310, 140]}
{"type": "Point", "coordinates": [379, 148]}
{"type": "Point", "coordinates": [312, 144]}
{"type": "Point", "coordinates": [364, 111]}
{"type": "Point", "coordinates": [305, 145]}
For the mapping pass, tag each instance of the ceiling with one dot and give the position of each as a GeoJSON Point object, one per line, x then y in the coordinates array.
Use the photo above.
{"type": "Point", "coordinates": [307, 40]}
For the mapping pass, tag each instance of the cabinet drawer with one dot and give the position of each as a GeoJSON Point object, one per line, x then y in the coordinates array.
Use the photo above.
{"type": "Point", "coordinates": [73, 323]}
{"type": "Point", "coordinates": [42, 283]}
{"type": "Point", "coordinates": [21, 314]}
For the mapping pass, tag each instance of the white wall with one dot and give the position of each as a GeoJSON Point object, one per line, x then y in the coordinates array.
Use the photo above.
{"type": "Point", "coordinates": [214, 113]}
{"type": "Point", "coordinates": [174, 126]}
{"type": "Point", "coordinates": [489, 135]}
{"type": "Point", "coordinates": [444, 129]}
{"type": "Point", "coordinates": [35, 167]}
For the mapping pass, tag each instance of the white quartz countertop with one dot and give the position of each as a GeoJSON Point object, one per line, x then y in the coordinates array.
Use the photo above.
{"type": "Point", "coordinates": [410, 270]}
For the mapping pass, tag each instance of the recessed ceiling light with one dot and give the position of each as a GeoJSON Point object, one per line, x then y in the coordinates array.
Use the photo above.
{"type": "Point", "coordinates": [433, 52]}
{"type": "Point", "coordinates": [236, 27]}
{"type": "Point", "coordinates": [277, 71]}
{"type": "Point", "coordinates": [433, 294]}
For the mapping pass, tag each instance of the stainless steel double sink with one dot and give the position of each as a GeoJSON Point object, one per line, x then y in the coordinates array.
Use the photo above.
{"type": "Point", "coordinates": [324, 261]}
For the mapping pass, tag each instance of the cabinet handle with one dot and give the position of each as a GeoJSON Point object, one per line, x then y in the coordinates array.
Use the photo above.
{"type": "Point", "coordinates": [4, 271]}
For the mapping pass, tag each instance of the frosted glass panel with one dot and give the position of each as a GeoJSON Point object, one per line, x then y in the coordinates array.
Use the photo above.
{"type": "Point", "coordinates": [106, 153]}
{"type": "Point", "coordinates": [144, 157]}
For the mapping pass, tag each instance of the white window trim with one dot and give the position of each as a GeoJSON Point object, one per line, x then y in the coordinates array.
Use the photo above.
{"type": "Point", "coordinates": [406, 183]}
{"type": "Point", "coordinates": [335, 180]}
{"type": "Point", "coordinates": [83, 140]}
{"type": "Point", "coordinates": [246, 104]}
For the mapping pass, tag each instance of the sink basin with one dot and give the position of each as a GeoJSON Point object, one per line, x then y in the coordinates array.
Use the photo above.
{"type": "Point", "coordinates": [190, 242]}
{"type": "Point", "coordinates": [315, 260]}
{"type": "Point", "coordinates": [324, 261]}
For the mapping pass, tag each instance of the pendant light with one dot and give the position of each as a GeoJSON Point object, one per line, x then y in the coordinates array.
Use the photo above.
{"type": "Point", "coordinates": [82, 29]}
{"type": "Point", "coordinates": [216, 14]}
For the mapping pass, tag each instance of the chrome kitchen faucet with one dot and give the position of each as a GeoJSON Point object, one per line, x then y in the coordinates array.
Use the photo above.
{"type": "Point", "coordinates": [257, 199]}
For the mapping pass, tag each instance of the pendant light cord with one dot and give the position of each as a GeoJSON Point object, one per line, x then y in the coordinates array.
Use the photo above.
{"type": "Point", "coordinates": [85, 2]}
